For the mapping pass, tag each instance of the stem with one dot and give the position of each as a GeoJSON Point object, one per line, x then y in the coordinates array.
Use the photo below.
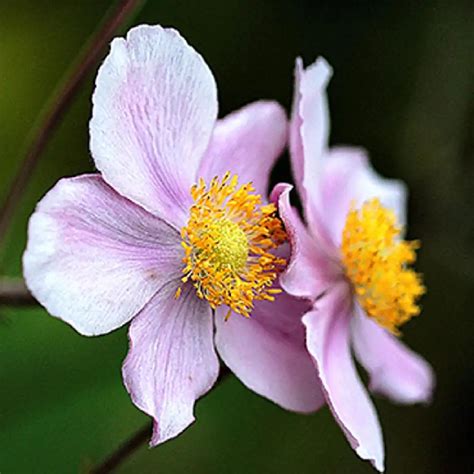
{"type": "Point", "coordinates": [15, 293]}
{"type": "Point", "coordinates": [54, 110]}
{"type": "Point", "coordinates": [124, 450]}
{"type": "Point", "coordinates": [140, 437]}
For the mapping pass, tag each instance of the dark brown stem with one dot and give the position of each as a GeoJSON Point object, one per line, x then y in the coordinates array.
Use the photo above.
{"type": "Point", "coordinates": [124, 450]}
{"type": "Point", "coordinates": [138, 439]}
{"type": "Point", "coordinates": [54, 111]}
{"type": "Point", "coordinates": [15, 293]}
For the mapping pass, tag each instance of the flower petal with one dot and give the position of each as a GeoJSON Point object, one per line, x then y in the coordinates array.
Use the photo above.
{"type": "Point", "coordinates": [295, 139]}
{"type": "Point", "coordinates": [311, 269]}
{"type": "Point", "coordinates": [267, 353]}
{"type": "Point", "coordinates": [327, 329]}
{"type": "Point", "coordinates": [348, 179]}
{"type": "Point", "coordinates": [247, 143]}
{"type": "Point", "coordinates": [395, 370]}
{"type": "Point", "coordinates": [171, 362]}
{"type": "Point", "coordinates": [309, 129]}
{"type": "Point", "coordinates": [94, 259]}
{"type": "Point", "coordinates": [155, 105]}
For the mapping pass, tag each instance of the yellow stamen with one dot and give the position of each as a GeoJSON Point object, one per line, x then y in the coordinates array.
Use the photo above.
{"type": "Point", "coordinates": [376, 261]}
{"type": "Point", "coordinates": [227, 244]}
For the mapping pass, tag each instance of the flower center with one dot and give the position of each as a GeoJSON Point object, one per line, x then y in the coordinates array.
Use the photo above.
{"type": "Point", "coordinates": [227, 243]}
{"type": "Point", "coordinates": [377, 263]}
{"type": "Point", "coordinates": [231, 245]}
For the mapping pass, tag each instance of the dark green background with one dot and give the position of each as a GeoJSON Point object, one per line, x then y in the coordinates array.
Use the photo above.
{"type": "Point", "coordinates": [402, 88]}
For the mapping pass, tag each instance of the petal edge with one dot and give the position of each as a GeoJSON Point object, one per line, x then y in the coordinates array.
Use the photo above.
{"type": "Point", "coordinates": [154, 109]}
{"type": "Point", "coordinates": [328, 342]}
{"type": "Point", "coordinates": [395, 370]}
{"type": "Point", "coordinates": [171, 361]}
{"type": "Point", "coordinates": [93, 258]}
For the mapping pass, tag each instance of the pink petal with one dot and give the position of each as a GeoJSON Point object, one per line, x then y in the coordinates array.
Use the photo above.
{"type": "Point", "coordinates": [171, 362]}
{"type": "Point", "coordinates": [155, 106]}
{"type": "Point", "coordinates": [349, 179]}
{"type": "Point", "coordinates": [94, 259]}
{"type": "Point", "coordinates": [267, 353]}
{"type": "Point", "coordinates": [295, 140]}
{"type": "Point", "coordinates": [328, 342]}
{"type": "Point", "coordinates": [313, 266]}
{"type": "Point", "coordinates": [395, 370]}
{"type": "Point", "coordinates": [309, 130]}
{"type": "Point", "coordinates": [247, 143]}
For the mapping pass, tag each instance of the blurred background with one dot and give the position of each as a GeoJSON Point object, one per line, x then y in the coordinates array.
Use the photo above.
{"type": "Point", "coordinates": [402, 88]}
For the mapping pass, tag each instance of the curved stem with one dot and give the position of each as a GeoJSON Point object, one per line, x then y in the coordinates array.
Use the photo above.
{"type": "Point", "coordinates": [14, 292]}
{"type": "Point", "coordinates": [55, 109]}
{"type": "Point", "coordinates": [138, 439]}
{"type": "Point", "coordinates": [124, 450]}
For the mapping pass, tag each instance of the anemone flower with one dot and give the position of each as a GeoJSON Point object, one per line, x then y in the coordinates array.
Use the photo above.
{"type": "Point", "coordinates": [351, 261]}
{"type": "Point", "coordinates": [165, 237]}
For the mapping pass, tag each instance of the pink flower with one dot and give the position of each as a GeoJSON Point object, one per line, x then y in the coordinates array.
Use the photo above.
{"type": "Point", "coordinates": [163, 235]}
{"type": "Point", "coordinates": [351, 262]}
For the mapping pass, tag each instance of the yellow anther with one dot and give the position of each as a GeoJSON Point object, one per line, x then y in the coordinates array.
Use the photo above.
{"type": "Point", "coordinates": [376, 261]}
{"type": "Point", "coordinates": [227, 245]}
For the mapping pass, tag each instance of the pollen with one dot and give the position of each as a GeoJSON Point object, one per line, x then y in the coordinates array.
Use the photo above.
{"type": "Point", "coordinates": [377, 262]}
{"type": "Point", "coordinates": [228, 243]}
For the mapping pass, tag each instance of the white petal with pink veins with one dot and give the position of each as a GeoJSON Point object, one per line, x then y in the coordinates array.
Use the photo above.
{"type": "Point", "coordinates": [267, 352]}
{"type": "Point", "coordinates": [154, 109]}
{"type": "Point", "coordinates": [395, 371]}
{"type": "Point", "coordinates": [247, 142]}
{"type": "Point", "coordinates": [328, 341]}
{"type": "Point", "coordinates": [171, 362]}
{"type": "Point", "coordinates": [309, 129]}
{"type": "Point", "coordinates": [312, 267]}
{"type": "Point", "coordinates": [93, 258]}
{"type": "Point", "coordinates": [348, 179]}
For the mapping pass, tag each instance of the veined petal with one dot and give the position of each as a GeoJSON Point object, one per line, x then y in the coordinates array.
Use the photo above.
{"type": "Point", "coordinates": [295, 139]}
{"type": "Point", "coordinates": [309, 130]}
{"type": "Point", "coordinates": [395, 371]}
{"type": "Point", "coordinates": [312, 268]}
{"type": "Point", "coordinates": [94, 259]}
{"type": "Point", "coordinates": [171, 362]}
{"type": "Point", "coordinates": [327, 327]}
{"type": "Point", "coordinates": [154, 108]}
{"type": "Point", "coordinates": [348, 179]}
{"type": "Point", "coordinates": [247, 143]}
{"type": "Point", "coordinates": [267, 353]}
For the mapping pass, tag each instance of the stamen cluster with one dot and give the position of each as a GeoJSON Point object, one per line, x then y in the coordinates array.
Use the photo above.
{"type": "Point", "coordinates": [227, 243]}
{"type": "Point", "coordinates": [377, 263]}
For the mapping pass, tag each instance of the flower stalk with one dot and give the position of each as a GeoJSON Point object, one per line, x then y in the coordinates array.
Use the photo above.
{"type": "Point", "coordinates": [125, 450]}
{"type": "Point", "coordinates": [138, 439]}
{"type": "Point", "coordinates": [13, 292]}
{"type": "Point", "coordinates": [62, 98]}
